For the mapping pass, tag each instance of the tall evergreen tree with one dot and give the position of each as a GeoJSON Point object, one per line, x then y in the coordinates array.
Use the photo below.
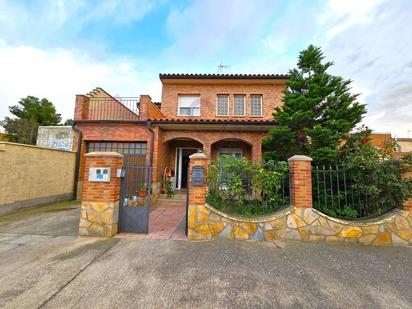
{"type": "Point", "coordinates": [317, 113]}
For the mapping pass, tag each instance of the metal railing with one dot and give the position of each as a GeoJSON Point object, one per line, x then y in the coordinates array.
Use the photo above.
{"type": "Point", "coordinates": [339, 193]}
{"type": "Point", "coordinates": [116, 108]}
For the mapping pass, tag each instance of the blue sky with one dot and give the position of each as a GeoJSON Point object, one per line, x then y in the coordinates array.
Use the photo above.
{"type": "Point", "coordinates": [60, 48]}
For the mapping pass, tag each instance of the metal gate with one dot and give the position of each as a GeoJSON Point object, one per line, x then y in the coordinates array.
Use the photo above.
{"type": "Point", "coordinates": [135, 195]}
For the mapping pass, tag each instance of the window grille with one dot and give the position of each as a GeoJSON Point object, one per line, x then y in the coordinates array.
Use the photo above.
{"type": "Point", "coordinates": [256, 105]}
{"type": "Point", "coordinates": [132, 148]}
{"type": "Point", "coordinates": [222, 105]}
{"type": "Point", "coordinates": [239, 105]}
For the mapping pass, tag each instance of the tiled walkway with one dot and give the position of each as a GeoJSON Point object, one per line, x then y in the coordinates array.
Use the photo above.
{"type": "Point", "coordinates": [166, 221]}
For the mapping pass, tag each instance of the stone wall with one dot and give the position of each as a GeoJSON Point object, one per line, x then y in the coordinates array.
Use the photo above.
{"type": "Point", "coordinates": [394, 228]}
{"type": "Point", "coordinates": [32, 175]}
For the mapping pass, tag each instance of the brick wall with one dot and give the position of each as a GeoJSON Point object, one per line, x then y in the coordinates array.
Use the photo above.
{"type": "Point", "coordinates": [208, 138]}
{"type": "Point", "coordinates": [102, 191]}
{"type": "Point", "coordinates": [272, 97]}
{"type": "Point", "coordinates": [110, 132]}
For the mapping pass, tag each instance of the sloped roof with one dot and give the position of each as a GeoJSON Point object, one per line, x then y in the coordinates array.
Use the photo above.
{"type": "Point", "coordinates": [222, 76]}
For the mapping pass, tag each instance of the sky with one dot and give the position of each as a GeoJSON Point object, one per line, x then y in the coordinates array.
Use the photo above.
{"type": "Point", "coordinates": [59, 48]}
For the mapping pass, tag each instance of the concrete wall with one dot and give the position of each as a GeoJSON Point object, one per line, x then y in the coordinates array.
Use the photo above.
{"type": "Point", "coordinates": [56, 137]}
{"type": "Point", "coordinates": [32, 175]}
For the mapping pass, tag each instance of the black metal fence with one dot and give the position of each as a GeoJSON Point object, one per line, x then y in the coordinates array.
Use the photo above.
{"type": "Point", "coordinates": [119, 108]}
{"type": "Point", "coordinates": [339, 192]}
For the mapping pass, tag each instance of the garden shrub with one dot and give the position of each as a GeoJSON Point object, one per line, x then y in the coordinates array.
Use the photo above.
{"type": "Point", "coordinates": [238, 186]}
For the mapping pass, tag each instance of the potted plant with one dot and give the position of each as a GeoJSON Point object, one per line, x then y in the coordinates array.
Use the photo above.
{"type": "Point", "coordinates": [169, 188]}
{"type": "Point", "coordinates": [143, 190]}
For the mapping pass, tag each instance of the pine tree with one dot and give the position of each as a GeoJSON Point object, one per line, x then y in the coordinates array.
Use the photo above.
{"type": "Point", "coordinates": [317, 113]}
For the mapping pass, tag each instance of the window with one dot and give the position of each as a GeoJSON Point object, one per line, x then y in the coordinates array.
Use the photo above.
{"type": "Point", "coordinates": [230, 151]}
{"type": "Point", "coordinates": [239, 105]}
{"type": "Point", "coordinates": [256, 105]}
{"type": "Point", "coordinates": [189, 105]}
{"type": "Point", "coordinates": [120, 147]}
{"type": "Point", "coordinates": [222, 108]}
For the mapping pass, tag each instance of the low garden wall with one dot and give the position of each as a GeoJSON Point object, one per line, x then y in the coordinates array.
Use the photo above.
{"type": "Point", "coordinates": [32, 175]}
{"type": "Point", "coordinates": [308, 224]}
{"type": "Point", "coordinates": [300, 221]}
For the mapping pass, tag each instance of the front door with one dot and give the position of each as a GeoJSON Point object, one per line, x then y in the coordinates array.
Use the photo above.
{"type": "Point", "coordinates": [182, 166]}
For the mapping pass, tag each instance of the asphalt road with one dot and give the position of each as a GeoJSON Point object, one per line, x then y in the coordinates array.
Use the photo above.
{"type": "Point", "coordinates": [44, 264]}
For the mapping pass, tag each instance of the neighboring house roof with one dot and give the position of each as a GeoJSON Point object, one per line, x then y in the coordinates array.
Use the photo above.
{"type": "Point", "coordinates": [223, 76]}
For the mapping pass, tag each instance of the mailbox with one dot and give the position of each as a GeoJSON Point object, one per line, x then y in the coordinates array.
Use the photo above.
{"type": "Point", "coordinates": [198, 176]}
{"type": "Point", "coordinates": [99, 174]}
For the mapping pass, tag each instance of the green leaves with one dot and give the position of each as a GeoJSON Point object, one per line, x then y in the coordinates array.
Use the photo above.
{"type": "Point", "coordinates": [31, 113]}
{"type": "Point", "coordinates": [318, 111]}
{"type": "Point", "coordinates": [238, 186]}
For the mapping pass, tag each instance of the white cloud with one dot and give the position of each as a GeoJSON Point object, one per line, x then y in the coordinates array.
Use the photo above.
{"type": "Point", "coordinates": [374, 51]}
{"type": "Point", "coordinates": [59, 74]}
{"type": "Point", "coordinates": [206, 28]}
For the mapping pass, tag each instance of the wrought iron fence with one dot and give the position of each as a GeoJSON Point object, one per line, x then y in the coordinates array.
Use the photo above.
{"type": "Point", "coordinates": [339, 192]}
{"type": "Point", "coordinates": [135, 184]}
{"type": "Point", "coordinates": [114, 108]}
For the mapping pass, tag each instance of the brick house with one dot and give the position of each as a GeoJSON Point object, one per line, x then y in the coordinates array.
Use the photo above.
{"type": "Point", "coordinates": [215, 113]}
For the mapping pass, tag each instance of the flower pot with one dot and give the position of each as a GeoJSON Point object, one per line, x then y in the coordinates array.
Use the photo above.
{"type": "Point", "coordinates": [142, 193]}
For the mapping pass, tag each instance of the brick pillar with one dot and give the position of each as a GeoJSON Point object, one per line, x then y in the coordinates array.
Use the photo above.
{"type": "Point", "coordinates": [257, 152]}
{"type": "Point", "coordinates": [300, 181]}
{"type": "Point", "coordinates": [100, 200]}
{"type": "Point", "coordinates": [81, 109]}
{"type": "Point", "coordinates": [145, 100]}
{"type": "Point", "coordinates": [207, 149]}
{"type": "Point", "coordinates": [197, 193]}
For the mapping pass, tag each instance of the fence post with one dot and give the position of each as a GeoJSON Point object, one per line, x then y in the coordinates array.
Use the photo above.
{"type": "Point", "coordinates": [197, 192]}
{"type": "Point", "coordinates": [300, 181]}
{"type": "Point", "coordinates": [101, 193]}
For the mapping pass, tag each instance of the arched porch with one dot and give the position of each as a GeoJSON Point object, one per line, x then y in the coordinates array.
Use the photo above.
{"type": "Point", "coordinates": [236, 147]}
{"type": "Point", "coordinates": [176, 161]}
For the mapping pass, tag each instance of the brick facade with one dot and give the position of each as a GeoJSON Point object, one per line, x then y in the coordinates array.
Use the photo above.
{"type": "Point", "coordinates": [272, 93]}
{"type": "Point", "coordinates": [210, 137]}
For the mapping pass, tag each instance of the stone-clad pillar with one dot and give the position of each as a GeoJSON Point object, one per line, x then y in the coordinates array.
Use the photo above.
{"type": "Point", "coordinates": [197, 193]}
{"type": "Point", "coordinates": [300, 181]}
{"type": "Point", "coordinates": [100, 197]}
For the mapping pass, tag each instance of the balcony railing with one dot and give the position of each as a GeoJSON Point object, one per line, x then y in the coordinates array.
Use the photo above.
{"type": "Point", "coordinates": [114, 108]}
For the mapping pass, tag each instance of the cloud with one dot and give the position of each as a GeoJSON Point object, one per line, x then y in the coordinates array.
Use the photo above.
{"type": "Point", "coordinates": [44, 23]}
{"type": "Point", "coordinates": [374, 51]}
{"type": "Point", "coordinates": [59, 74]}
{"type": "Point", "coordinates": [207, 29]}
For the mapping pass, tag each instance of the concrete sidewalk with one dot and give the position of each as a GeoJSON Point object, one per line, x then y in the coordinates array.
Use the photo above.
{"type": "Point", "coordinates": [40, 267]}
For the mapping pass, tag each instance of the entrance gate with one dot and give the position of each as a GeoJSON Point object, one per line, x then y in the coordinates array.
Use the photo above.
{"type": "Point", "coordinates": [135, 195]}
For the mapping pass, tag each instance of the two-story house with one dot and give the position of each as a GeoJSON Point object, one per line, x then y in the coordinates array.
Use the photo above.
{"type": "Point", "coordinates": [216, 113]}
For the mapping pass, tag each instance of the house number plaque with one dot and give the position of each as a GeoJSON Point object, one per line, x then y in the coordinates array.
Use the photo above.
{"type": "Point", "coordinates": [198, 176]}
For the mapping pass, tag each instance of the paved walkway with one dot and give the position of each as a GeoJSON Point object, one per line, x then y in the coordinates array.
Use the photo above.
{"type": "Point", "coordinates": [44, 264]}
{"type": "Point", "coordinates": [166, 221]}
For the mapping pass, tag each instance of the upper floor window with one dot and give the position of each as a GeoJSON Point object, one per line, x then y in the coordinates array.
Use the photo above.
{"type": "Point", "coordinates": [188, 105]}
{"type": "Point", "coordinates": [222, 108]}
{"type": "Point", "coordinates": [256, 105]}
{"type": "Point", "coordinates": [239, 105]}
